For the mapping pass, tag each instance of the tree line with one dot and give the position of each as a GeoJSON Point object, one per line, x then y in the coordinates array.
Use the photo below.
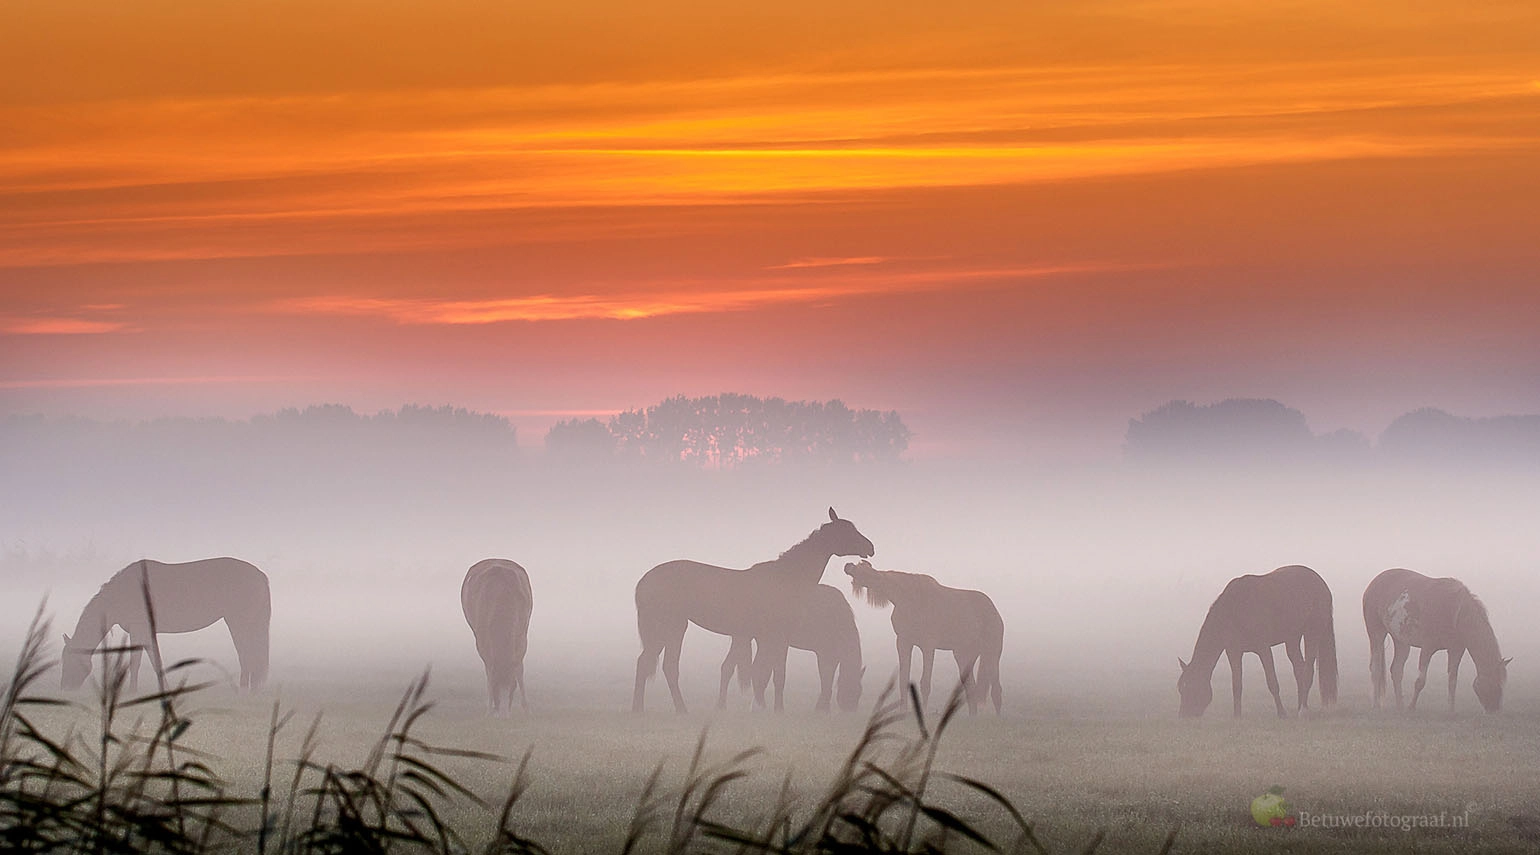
{"type": "Point", "coordinates": [1265, 431]}
{"type": "Point", "coordinates": [731, 430]}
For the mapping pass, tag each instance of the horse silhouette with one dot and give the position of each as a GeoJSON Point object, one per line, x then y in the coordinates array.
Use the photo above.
{"type": "Point", "coordinates": [497, 602]}
{"type": "Point", "coordinates": [1289, 606]}
{"type": "Point", "coordinates": [751, 602]}
{"type": "Point", "coordinates": [1433, 614]}
{"type": "Point", "coordinates": [174, 598]}
{"type": "Point", "coordinates": [932, 616]}
{"type": "Point", "coordinates": [821, 622]}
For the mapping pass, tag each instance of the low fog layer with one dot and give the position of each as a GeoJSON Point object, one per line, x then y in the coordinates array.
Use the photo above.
{"type": "Point", "coordinates": [1102, 574]}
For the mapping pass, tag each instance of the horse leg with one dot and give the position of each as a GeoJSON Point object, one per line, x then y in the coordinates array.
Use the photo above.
{"type": "Point", "coordinates": [965, 662]}
{"type": "Point", "coordinates": [1302, 673]}
{"type": "Point", "coordinates": [1455, 654]}
{"type": "Point", "coordinates": [134, 656]}
{"type": "Point", "coordinates": [250, 637]}
{"type": "Point", "coordinates": [1377, 665]}
{"type": "Point", "coordinates": [1270, 671]}
{"type": "Point", "coordinates": [671, 669]}
{"type": "Point", "coordinates": [492, 687]}
{"type": "Point", "coordinates": [1397, 665]}
{"type": "Point", "coordinates": [647, 663]}
{"type": "Point", "coordinates": [780, 681]}
{"type": "Point", "coordinates": [734, 662]}
{"type": "Point", "coordinates": [1423, 661]}
{"type": "Point", "coordinates": [927, 661]}
{"type": "Point", "coordinates": [770, 664]}
{"type": "Point", "coordinates": [147, 646]}
{"type": "Point", "coordinates": [518, 679]}
{"type": "Point", "coordinates": [1235, 678]}
{"type": "Point", "coordinates": [905, 654]}
{"type": "Point", "coordinates": [761, 672]}
{"type": "Point", "coordinates": [826, 664]}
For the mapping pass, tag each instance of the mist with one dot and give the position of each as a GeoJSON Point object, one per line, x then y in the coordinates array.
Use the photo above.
{"type": "Point", "coordinates": [1101, 572]}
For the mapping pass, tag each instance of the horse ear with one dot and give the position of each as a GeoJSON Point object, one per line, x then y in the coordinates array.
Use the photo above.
{"type": "Point", "coordinates": [833, 517]}
{"type": "Point", "coordinates": [1181, 663]}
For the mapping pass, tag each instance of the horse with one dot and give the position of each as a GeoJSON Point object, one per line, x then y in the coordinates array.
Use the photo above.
{"type": "Point", "coordinates": [497, 601]}
{"type": "Point", "coordinates": [1289, 606]}
{"type": "Point", "coordinates": [1433, 614]}
{"type": "Point", "coordinates": [148, 597]}
{"type": "Point", "coordinates": [932, 616]}
{"type": "Point", "coordinates": [750, 602]}
{"type": "Point", "coordinates": [823, 623]}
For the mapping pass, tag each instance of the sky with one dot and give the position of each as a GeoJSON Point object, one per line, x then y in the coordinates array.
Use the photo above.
{"type": "Point", "coordinates": [1018, 223]}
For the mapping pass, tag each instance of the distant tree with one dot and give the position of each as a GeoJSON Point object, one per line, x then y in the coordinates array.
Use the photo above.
{"type": "Point", "coordinates": [580, 440]}
{"type": "Point", "coordinates": [731, 430]}
{"type": "Point", "coordinates": [1434, 436]}
{"type": "Point", "coordinates": [1237, 428]}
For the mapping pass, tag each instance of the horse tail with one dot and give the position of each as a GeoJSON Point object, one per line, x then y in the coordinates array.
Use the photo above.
{"type": "Point", "coordinates": [251, 631]}
{"type": "Point", "coordinates": [989, 657]}
{"type": "Point", "coordinates": [1326, 662]}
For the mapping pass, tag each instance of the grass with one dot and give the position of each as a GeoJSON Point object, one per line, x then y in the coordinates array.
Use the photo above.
{"type": "Point", "coordinates": [165, 773]}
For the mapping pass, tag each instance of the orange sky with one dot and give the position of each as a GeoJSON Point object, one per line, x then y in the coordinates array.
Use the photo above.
{"type": "Point", "coordinates": [1019, 223]}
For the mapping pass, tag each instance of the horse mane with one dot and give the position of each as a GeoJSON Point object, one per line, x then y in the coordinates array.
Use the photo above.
{"type": "Point", "coordinates": [872, 596]}
{"type": "Point", "coordinates": [800, 544]}
{"type": "Point", "coordinates": [1470, 601]}
{"type": "Point", "coordinates": [896, 576]}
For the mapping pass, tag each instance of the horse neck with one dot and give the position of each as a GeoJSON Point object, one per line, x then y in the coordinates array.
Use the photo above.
{"type": "Point", "coordinates": [93, 624]}
{"type": "Point", "coordinates": [1210, 644]}
{"type": "Point", "coordinates": [1480, 641]}
{"type": "Point", "coordinates": [806, 561]}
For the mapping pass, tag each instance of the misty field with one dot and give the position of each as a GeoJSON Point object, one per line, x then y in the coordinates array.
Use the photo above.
{"type": "Point", "coordinates": [1114, 772]}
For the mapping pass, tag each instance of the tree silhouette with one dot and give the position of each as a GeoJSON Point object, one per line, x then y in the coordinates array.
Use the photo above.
{"type": "Point", "coordinates": [1430, 435]}
{"type": "Point", "coordinates": [732, 430]}
{"type": "Point", "coordinates": [1236, 430]}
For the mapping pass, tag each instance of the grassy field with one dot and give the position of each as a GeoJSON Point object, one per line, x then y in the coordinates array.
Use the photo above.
{"type": "Point", "coordinates": [1132, 778]}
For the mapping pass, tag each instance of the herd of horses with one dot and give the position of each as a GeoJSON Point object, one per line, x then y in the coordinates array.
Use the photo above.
{"type": "Point", "coordinates": [776, 605]}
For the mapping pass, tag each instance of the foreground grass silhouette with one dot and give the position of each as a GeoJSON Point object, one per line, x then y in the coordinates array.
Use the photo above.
{"type": "Point", "coordinates": [132, 786]}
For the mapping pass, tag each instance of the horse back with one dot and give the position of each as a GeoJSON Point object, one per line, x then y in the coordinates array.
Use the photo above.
{"type": "Point", "coordinates": [1258, 611]}
{"type": "Point", "coordinates": [191, 595]}
{"type": "Point", "coordinates": [496, 595]}
{"type": "Point", "coordinates": [1415, 609]}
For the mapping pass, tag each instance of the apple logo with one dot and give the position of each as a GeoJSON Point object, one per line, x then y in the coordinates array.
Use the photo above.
{"type": "Point", "coordinates": [1270, 809]}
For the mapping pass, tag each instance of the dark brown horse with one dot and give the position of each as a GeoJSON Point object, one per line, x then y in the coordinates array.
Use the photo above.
{"type": "Point", "coordinates": [751, 602]}
{"type": "Point", "coordinates": [1433, 614]}
{"type": "Point", "coordinates": [497, 602]}
{"type": "Point", "coordinates": [184, 598]}
{"type": "Point", "coordinates": [823, 623]}
{"type": "Point", "coordinates": [1289, 606]}
{"type": "Point", "coordinates": [931, 616]}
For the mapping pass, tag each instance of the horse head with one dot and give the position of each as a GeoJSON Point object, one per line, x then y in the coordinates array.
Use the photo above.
{"type": "Point", "coordinates": [861, 574]}
{"type": "Point", "coordinates": [75, 663]}
{"type": "Point", "coordinates": [848, 695]}
{"type": "Point", "coordinates": [1196, 689]}
{"type": "Point", "coordinates": [842, 538]}
{"type": "Point", "coordinates": [1489, 687]}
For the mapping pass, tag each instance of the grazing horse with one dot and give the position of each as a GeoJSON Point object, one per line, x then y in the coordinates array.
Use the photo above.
{"type": "Point", "coordinates": [1288, 606]}
{"type": "Point", "coordinates": [180, 598]}
{"type": "Point", "coordinates": [750, 602]}
{"type": "Point", "coordinates": [823, 623]}
{"type": "Point", "coordinates": [1433, 614]}
{"type": "Point", "coordinates": [497, 602]}
{"type": "Point", "coordinates": [931, 616]}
